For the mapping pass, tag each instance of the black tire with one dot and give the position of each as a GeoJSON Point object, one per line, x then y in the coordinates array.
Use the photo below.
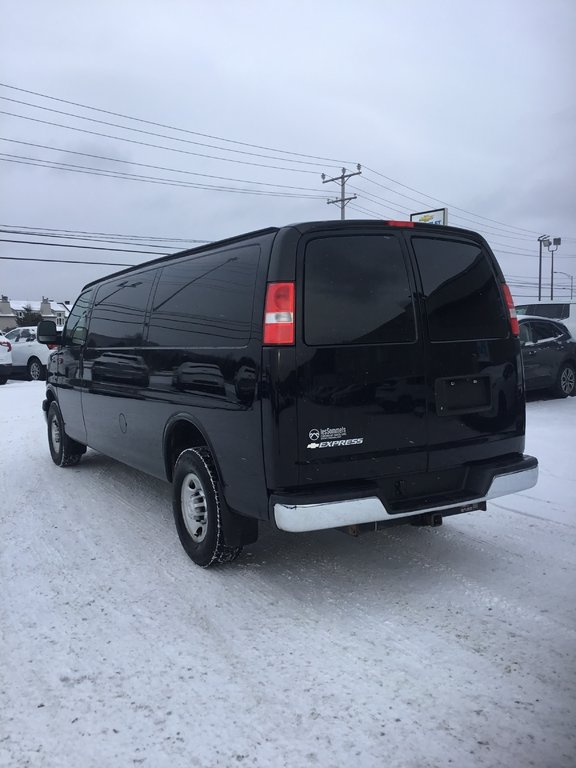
{"type": "Point", "coordinates": [3, 379]}
{"type": "Point", "coordinates": [565, 381]}
{"type": "Point", "coordinates": [197, 504]}
{"type": "Point", "coordinates": [65, 452]}
{"type": "Point", "coordinates": [36, 371]}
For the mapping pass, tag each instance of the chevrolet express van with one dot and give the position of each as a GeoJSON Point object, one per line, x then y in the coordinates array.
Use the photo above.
{"type": "Point", "coordinates": [321, 375]}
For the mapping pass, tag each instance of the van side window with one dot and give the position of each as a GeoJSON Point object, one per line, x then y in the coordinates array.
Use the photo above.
{"type": "Point", "coordinates": [205, 300]}
{"type": "Point", "coordinates": [119, 310]}
{"type": "Point", "coordinates": [356, 291]}
{"type": "Point", "coordinates": [77, 322]}
{"type": "Point", "coordinates": [461, 292]}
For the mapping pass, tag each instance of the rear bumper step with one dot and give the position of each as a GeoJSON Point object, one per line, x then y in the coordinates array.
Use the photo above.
{"type": "Point", "coordinates": [298, 518]}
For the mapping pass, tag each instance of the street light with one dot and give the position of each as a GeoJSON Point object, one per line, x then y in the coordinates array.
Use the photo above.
{"type": "Point", "coordinates": [553, 248]}
{"type": "Point", "coordinates": [557, 272]}
{"type": "Point", "coordinates": [543, 240]}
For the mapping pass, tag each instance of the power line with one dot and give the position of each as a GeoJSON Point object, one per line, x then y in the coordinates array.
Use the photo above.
{"type": "Point", "coordinates": [69, 261]}
{"type": "Point", "coordinates": [155, 146]}
{"type": "Point", "coordinates": [509, 227]}
{"type": "Point", "coordinates": [155, 167]}
{"type": "Point", "coordinates": [158, 135]}
{"type": "Point", "coordinates": [437, 200]}
{"type": "Point", "coordinates": [70, 167]}
{"type": "Point", "coordinates": [84, 247]}
{"type": "Point", "coordinates": [40, 233]}
{"type": "Point", "coordinates": [478, 225]}
{"type": "Point", "coordinates": [173, 128]}
{"type": "Point", "coordinates": [108, 234]}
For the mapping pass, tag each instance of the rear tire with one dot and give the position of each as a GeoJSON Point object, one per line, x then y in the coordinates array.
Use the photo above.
{"type": "Point", "coordinates": [566, 381]}
{"type": "Point", "coordinates": [64, 451]}
{"type": "Point", "coordinates": [197, 504]}
{"type": "Point", "coordinates": [36, 371]}
{"type": "Point", "coordinates": [3, 379]}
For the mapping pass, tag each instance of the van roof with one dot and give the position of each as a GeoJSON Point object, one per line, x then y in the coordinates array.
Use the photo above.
{"type": "Point", "coordinates": [303, 228]}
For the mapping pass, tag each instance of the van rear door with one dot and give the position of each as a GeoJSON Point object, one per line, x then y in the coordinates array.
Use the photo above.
{"type": "Point", "coordinates": [361, 384]}
{"type": "Point", "coordinates": [474, 375]}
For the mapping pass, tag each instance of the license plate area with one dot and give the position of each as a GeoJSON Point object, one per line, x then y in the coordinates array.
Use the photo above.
{"type": "Point", "coordinates": [462, 394]}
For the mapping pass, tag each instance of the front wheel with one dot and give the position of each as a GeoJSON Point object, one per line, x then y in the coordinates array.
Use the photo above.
{"type": "Point", "coordinates": [197, 506]}
{"type": "Point", "coordinates": [566, 382]}
{"type": "Point", "coordinates": [65, 452]}
{"type": "Point", "coordinates": [36, 371]}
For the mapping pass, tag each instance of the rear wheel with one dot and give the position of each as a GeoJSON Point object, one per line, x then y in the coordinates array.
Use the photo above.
{"type": "Point", "coordinates": [36, 371]}
{"type": "Point", "coordinates": [3, 379]}
{"type": "Point", "coordinates": [65, 452]}
{"type": "Point", "coordinates": [197, 504]}
{"type": "Point", "coordinates": [566, 381]}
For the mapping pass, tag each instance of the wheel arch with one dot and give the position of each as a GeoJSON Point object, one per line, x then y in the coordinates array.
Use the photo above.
{"type": "Point", "coordinates": [182, 431]}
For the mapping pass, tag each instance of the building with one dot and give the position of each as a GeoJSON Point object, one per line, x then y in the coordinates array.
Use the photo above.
{"type": "Point", "coordinates": [13, 309]}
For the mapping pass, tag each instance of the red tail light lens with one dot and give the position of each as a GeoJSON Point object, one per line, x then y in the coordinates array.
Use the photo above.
{"type": "Point", "coordinates": [393, 223]}
{"type": "Point", "coordinates": [279, 314]}
{"type": "Point", "coordinates": [52, 346]}
{"type": "Point", "coordinates": [6, 343]}
{"type": "Point", "coordinates": [514, 327]}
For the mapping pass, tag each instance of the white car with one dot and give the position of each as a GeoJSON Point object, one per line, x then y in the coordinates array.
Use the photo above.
{"type": "Point", "coordinates": [5, 358]}
{"type": "Point", "coordinates": [28, 355]}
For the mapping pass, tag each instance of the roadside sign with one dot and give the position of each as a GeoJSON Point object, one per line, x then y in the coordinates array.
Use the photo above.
{"type": "Point", "coordinates": [439, 216]}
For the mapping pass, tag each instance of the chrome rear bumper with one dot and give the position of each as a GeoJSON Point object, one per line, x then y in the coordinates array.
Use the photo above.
{"type": "Point", "coordinates": [337, 514]}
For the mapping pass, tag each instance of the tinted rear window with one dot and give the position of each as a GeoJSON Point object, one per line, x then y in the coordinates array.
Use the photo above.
{"type": "Point", "coordinates": [356, 291]}
{"type": "Point", "coordinates": [206, 300]}
{"type": "Point", "coordinates": [461, 292]}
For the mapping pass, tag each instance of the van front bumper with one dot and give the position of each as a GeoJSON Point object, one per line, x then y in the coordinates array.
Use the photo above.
{"type": "Point", "coordinates": [319, 515]}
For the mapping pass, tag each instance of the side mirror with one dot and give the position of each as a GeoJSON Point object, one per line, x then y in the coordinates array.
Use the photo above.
{"type": "Point", "coordinates": [46, 333]}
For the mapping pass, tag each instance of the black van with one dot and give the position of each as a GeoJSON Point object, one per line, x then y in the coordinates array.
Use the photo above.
{"type": "Point", "coordinates": [319, 375]}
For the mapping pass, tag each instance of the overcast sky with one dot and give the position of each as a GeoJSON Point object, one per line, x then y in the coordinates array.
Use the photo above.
{"type": "Point", "coordinates": [472, 103]}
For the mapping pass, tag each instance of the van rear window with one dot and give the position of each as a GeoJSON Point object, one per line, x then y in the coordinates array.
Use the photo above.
{"type": "Point", "coordinates": [461, 292]}
{"type": "Point", "coordinates": [356, 291]}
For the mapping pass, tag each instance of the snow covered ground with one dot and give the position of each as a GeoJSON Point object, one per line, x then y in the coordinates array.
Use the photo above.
{"type": "Point", "coordinates": [407, 648]}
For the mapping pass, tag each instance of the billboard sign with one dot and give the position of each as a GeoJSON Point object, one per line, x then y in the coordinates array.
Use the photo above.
{"type": "Point", "coordinates": [439, 216]}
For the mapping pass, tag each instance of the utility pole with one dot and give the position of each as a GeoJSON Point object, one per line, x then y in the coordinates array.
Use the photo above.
{"type": "Point", "coordinates": [342, 179]}
{"type": "Point", "coordinates": [543, 240]}
{"type": "Point", "coordinates": [553, 247]}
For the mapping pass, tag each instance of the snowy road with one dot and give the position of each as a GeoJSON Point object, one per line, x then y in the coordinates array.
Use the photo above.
{"type": "Point", "coordinates": [408, 648]}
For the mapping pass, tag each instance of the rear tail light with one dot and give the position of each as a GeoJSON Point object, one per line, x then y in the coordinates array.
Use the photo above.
{"type": "Point", "coordinates": [394, 223]}
{"type": "Point", "coordinates": [52, 346]}
{"type": "Point", "coordinates": [6, 344]}
{"type": "Point", "coordinates": [279, 314]}
{"type": "Point", "coordinates": [514, 327]}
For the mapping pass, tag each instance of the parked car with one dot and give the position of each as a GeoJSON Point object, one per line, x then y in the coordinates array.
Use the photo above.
{"type": "Point", "coordinates": [28, 355]}
{"type": "Point", "coordinates": [5, 358]}
{"type": "Point", "coordinates": [321, 375]}
{"type": "Point", "coordinates": [565, 311]}
{"type": "Point", "coordinates": [549, 355]}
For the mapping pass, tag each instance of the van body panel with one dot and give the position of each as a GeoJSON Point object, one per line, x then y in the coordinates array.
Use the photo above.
{"type": "Point", "coordinates": [392, 390]}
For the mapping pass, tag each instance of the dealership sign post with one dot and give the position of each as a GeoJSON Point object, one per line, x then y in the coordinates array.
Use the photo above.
{"type": "Point", "coordinates": [439, 216]}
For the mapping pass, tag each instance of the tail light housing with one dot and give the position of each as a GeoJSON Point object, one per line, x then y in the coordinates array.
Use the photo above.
{"type": "Point", "coordinates": [52, 346]}
{"type": "Point", "coordinates": [514, 326]}
{"type": "Point", "coordinates": [279, 314]}
{"type": "Point", "coordinates": [6, 343]}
